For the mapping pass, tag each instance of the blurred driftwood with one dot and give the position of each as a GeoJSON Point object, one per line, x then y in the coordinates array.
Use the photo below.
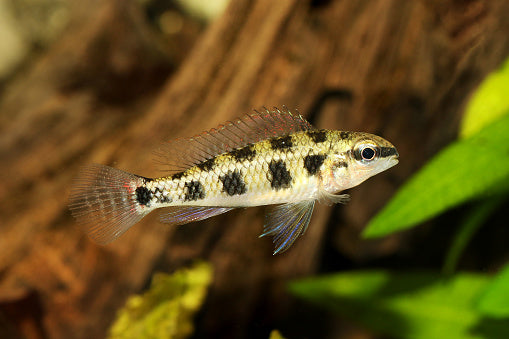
{"type": "Point", "coordinates": [105, 92]}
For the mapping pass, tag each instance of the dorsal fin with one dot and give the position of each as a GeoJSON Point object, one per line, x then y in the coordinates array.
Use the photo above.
{"type": "Point", "coordinates": [181, 154]}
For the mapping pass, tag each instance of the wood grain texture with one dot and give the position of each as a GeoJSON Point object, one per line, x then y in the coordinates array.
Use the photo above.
{"type": "Point", "coordinates": [108, 91]}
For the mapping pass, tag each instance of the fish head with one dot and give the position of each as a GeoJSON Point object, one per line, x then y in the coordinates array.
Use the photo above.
{"type": "Point", "coordinates": [356, 158]}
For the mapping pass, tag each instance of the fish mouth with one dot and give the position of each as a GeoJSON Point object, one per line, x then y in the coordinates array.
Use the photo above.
{"type": "Point", "coordinates": [394, 160]}
{"type": "Point", "coordinates": [392, 155]}
{"type": "Point", "coordinates": [396, 156]}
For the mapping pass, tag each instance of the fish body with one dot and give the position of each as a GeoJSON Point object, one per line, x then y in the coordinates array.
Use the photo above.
{"type": "Point", "coordinates": [271, 158]}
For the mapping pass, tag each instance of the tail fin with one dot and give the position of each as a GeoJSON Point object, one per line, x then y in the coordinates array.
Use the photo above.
{"type": "Point", "coordinates": [103, 201]}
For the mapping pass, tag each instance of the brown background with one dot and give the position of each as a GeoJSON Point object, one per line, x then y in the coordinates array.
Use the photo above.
{"type": "Point", "coordinates": [111, 87]}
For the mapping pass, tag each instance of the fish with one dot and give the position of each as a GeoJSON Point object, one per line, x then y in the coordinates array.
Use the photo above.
{"type": "Point", "coordinates": [269, 157]}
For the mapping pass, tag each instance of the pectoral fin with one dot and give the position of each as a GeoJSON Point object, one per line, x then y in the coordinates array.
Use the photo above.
{"type": "Point", "coordinates": [287, 222]}
{"type": "Point", "coordinates": [330, 199]}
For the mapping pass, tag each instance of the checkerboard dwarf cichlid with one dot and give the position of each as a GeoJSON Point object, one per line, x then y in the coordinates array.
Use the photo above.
{"type": "Point", "coordinates": [271, 157]}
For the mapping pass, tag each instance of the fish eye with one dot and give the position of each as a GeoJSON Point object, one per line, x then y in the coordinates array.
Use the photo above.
{"type": "Point", "coordinates": [368, 153]}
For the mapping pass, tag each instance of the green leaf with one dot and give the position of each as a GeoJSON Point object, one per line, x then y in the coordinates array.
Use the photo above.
{"type": "Point", "coordinates": [167, 308]}
{"type": "Point", "coordinates": [471, 223]}
{"type": "Point", "coordinates": [406, 305]}
{"type": "Point", "coordinates": [488, 103]}
{"type": "Point", "coordinates": [462, 171]}
{"type": "Point", "coordinates": [495, 299]}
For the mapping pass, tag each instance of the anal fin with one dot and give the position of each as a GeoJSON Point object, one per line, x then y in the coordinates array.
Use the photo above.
{"type": "Point", "coordinates": [186, 214]}
{"type": "Point", "coordinates": [286, 222]}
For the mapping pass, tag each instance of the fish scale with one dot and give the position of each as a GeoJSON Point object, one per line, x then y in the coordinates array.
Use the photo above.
{"type": "Point", "coordinates": [255, 175]}
{"type": "Point", "coordinates": [271, 158]}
